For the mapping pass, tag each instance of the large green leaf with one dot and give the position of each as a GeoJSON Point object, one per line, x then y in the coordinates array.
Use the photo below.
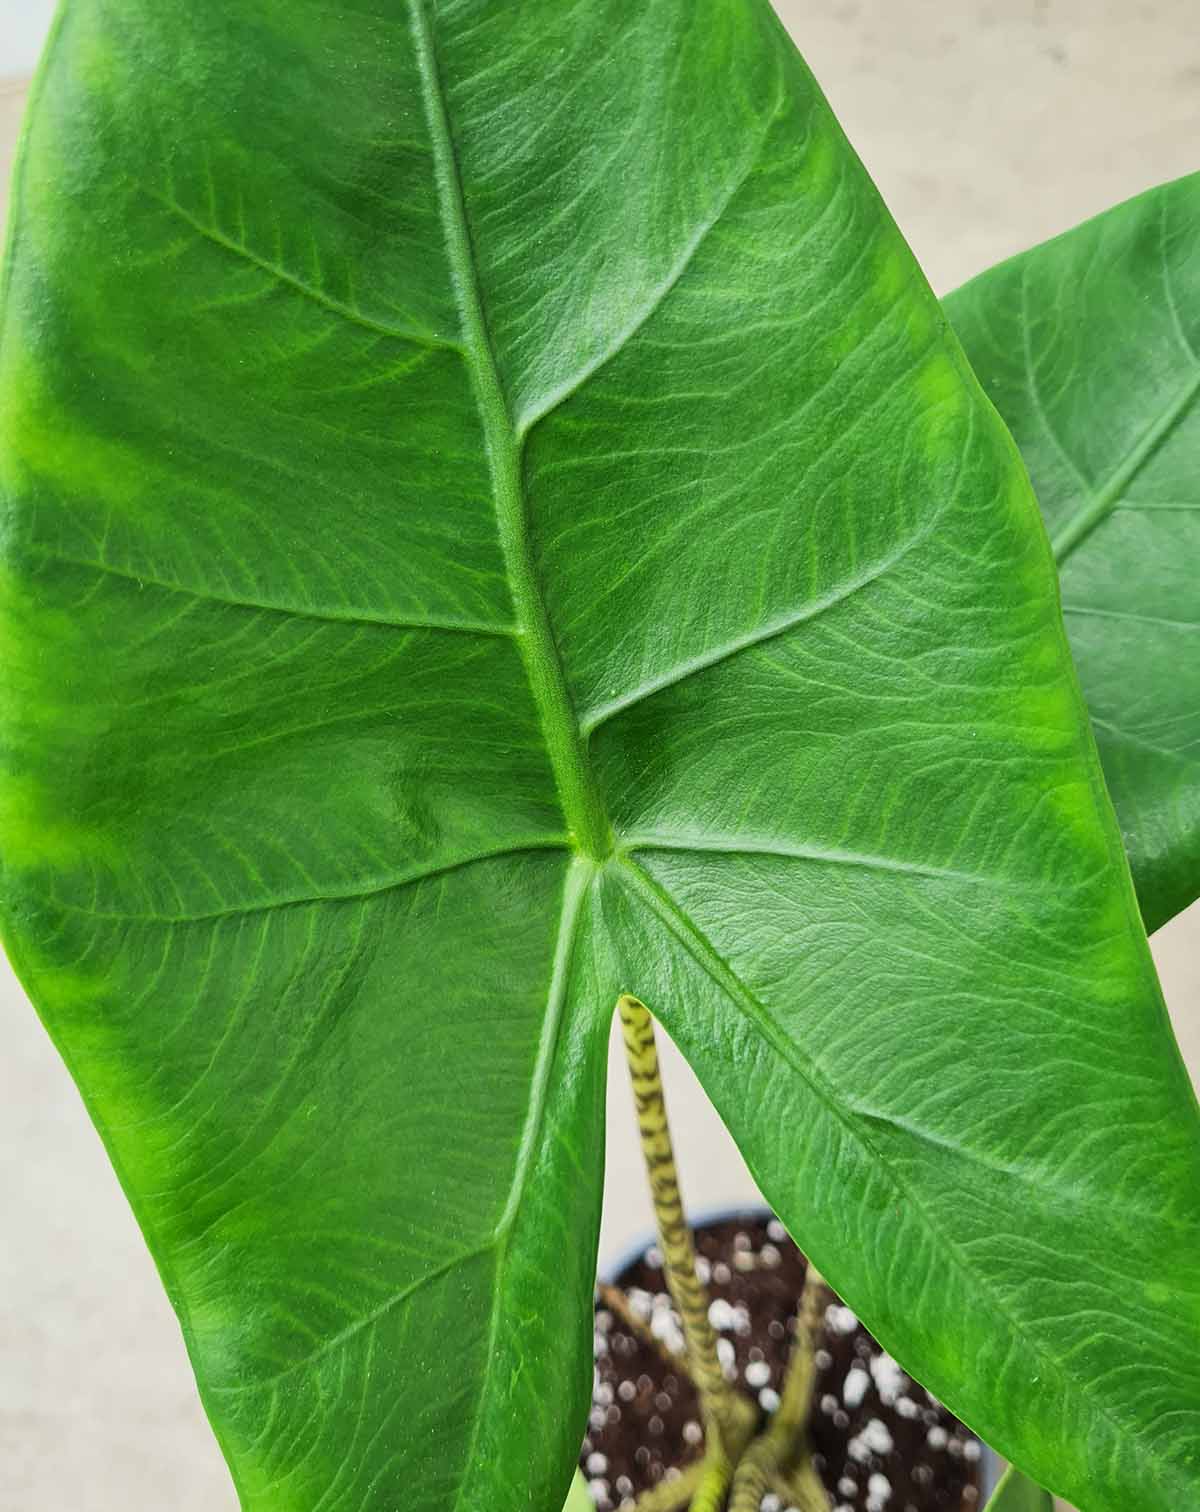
{"type": "Point", "coordinates": [1089, 346]}
{"type": "Point", "coordinates": [495, 517]}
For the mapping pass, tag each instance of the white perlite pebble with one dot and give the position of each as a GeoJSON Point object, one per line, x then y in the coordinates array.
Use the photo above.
{"type": "Point", "coordinates": [854, 1388]}
{"type": "Point", "coordinates": [907, 1408]}
{"type": "Point", "coordinates": [721, 1315]}
{"type": "Point", "coordinates": [877, 1438]}
{"type": "Point", "coordinates": [768, 1399]}
{"type": "Point", "coordinates": [664, 1325]}
{"type": "Point", "coordinates": [937, 1438]}
{"type": "Point", "coordinates": [889, 1379]}
{"type": "Point", "coordinates": [971, 1449]}
{"type": "Point", "coordinates": [597, 1464]}
{"type": "Point", "coordinates": [726, 1353]}
{"type": "Point", "coordinates": [847, 1487]}
{"type": "Point", "coordinates": [757, 1373]}
{"type": "Point", "coordinates": [692, 1432]}
{"type": "Point", "coordinates": [823, 1358]}
{"type": "Point", "coordinates": [879, 1486]}
{"type": "Point", "coordinates": [770, 1503]}
{"type": "Point", "coordinates": [858, 1450]}
{"type": "Point", "coordinates": [599, 1490]}
{"type": "Point", "coordinates": [776, 1230]}
{"type": "Point", "coordinates": [829, 1404]}
{"type": "Point", "coordinates": [840, 1318]}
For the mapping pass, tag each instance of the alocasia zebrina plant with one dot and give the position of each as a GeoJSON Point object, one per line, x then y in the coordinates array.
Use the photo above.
{"type": "Point", "coordinates": [495, 518]}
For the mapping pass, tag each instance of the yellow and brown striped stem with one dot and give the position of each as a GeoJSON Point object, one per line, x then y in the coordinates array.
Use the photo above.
{"type": "Point", "coordinates": [727, 1415]}
{"type": "Point", "coordinates": [800, 1489]}
{"type": "Point", "coordinates": [716, 1473]}
{"type": "Point", "coordinates": [782, 1453]}
{"type": "Point", "coordinates": [672, 1495]}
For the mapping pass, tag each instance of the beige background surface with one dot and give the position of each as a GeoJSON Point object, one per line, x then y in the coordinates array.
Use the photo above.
{"type": "Point", "coordinates": [987, 126]}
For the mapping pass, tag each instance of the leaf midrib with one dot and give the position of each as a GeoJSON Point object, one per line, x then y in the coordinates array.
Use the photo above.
{"type": "Point", "coordinates": [583, 807]}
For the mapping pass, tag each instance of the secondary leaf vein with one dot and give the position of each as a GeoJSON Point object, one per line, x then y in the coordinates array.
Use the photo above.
{"type": "Point", "coordinates": [760, 635]}
{"type": "Point", "coordinates": [291, 611]}
{"type": "Point", "coordinates": [392, 884]}
{"type": "Point", "coordinates": [683, 845]}
{"type": "Point", "coordinates": [1098, 506]}
{"type": "Point", "coordinates": [289, 280]}
{"type": "Point", "coordinates": [563, 391]}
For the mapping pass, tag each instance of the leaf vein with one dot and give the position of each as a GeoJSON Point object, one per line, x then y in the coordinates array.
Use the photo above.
{"type": "Point", "coordinates": [393, 884]}
{"type": "Point", "coordinates": [539, 410]}
{"type": "Point", "coordinates": [289, 280]}
{"type": "Point", "coordinates": [322, 616]}
{"type": "Point", "coordinates": [1098, 506]}
{"type": "Point", "coordinates": [683, 845]}
{"type": "Point", "coordinates": [772, 630]}
{"type": "Point", "coordinates": [338, 1340]}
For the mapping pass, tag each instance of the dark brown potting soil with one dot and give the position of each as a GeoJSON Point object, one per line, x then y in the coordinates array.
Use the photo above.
{"type": "Point", "coordinates": [880, 1442]}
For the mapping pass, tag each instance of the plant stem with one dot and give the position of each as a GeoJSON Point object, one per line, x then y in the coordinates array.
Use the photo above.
{"type": "Point", "coordinates": [803, 1489]}
{"type": "Point", "coordinates": [617, 1302]}
{"type": "Point", "coordinates": [728, 1417]}
{"type": "Point", "coordinates": [716, 1473]}
{"type": "Point", "coordinates": [784, 1445]}
{"type": "Point", "coordinates": [672, 1495]}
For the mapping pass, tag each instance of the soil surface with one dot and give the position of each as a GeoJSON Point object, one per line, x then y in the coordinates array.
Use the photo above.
{"type": "Point", "coordinates": [880, 1442]}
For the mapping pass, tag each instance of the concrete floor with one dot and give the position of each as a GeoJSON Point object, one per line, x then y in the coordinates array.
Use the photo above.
{"type": "Point", "coordinates": [988, 125]}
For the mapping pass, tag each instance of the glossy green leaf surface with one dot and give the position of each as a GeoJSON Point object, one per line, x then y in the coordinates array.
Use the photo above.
{"type": "Point", "coordinates": [1089, 346]}
{"type": "Point", "coordinates": [494, 517]}
{"type": "Point", "coordinates": [1016, 1493]}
